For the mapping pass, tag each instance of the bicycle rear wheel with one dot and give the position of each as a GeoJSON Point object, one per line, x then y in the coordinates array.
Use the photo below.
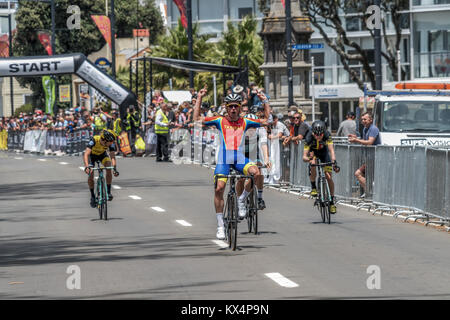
{"type": "Point", "coordinates": [227, 220]}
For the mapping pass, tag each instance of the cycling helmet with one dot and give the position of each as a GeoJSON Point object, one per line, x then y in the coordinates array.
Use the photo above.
{"type": "Point", "coordinates": [108, 136]}
{"type": "Point", "coordinates": [318, 127]}
{"type": "Point", "coordinates": [233, 98]}
{"type": "Point", "coordinates": [251, 116]}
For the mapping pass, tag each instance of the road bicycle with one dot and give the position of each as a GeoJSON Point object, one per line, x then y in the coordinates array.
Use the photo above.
{"type": "Point", "coordinates": [323, 199]}
{"type": "Point", "coordinates": [101, 192]}
{"type": "Point", "coordinates": [230, 216]}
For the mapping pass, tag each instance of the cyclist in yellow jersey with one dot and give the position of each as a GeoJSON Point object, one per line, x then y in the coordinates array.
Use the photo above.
{"type": "Point", "coordinates": [97, 150]}
{"type": "Point", "coordinates": [318, 144]}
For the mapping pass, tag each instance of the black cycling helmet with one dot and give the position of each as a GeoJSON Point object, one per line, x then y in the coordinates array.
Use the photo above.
{"type": "Point", "coordinates": [108, 136]}
{"type": "Point", "coordinates": [233, 98]}
{"type": "Point", "coordinates": [318, 127]}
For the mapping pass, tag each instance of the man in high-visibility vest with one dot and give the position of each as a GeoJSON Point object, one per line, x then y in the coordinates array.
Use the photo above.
{"type": "Point", "coordinates": [162, 133]}
{"type": "Point", "coordinates": [99, 121]}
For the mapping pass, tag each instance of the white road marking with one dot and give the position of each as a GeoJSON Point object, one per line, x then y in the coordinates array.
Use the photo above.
{"type": "Point", "coordinates": [18, 158]}
{"type": "Point", "coordinates": [63, 163]}
{"type": "Point", "coordinates": [135, 197]}
{"type": "Point", "coordinates": [158, 209]}
{"type": "Point", "coordinates": [184, 223]}
{"type": "Point", "coordinates": [116, 187]}
{"type": "Point", "coordinates": [81, 168]}
{"type": "Point", "coordinates": [42, 159]}
{"type": "Point", "coordinates": [281, 280]}
{"type": "Point", "coordinates": [221, 243]}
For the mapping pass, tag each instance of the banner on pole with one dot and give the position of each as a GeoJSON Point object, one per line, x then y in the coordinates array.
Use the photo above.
{"type": "Point", "coordinates": [182, 7]}
{"type": "Point", "coordinates": [45, 39]}
{"type": "Point", "coordinates": [49, 88]}
{"type": "Point", "coordinates": [104, 25]}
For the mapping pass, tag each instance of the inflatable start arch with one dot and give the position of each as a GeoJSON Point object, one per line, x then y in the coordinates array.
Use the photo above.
{"type": "Point", "coordinates": [69, 64]}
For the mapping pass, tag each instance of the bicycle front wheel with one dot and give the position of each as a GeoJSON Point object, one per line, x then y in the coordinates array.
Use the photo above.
{"type": "Point", "coordinates": [321, 204]}
{"type": "Point", "coordinates": [234, 222]}
{"type": "Point", "coordinates": [105, 201]}
{"type": "Point", "coordinates": [100, 198]}
{"type": "Point", "coordinates": [327, 202]}
{"type": "Point", "coordinates": [255, 212]}
{"type": "Point", "coordinates": [250, 206]}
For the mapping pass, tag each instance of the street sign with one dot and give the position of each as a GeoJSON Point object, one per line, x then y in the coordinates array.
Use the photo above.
{"type": "Point", "coordinates": [307, 46]}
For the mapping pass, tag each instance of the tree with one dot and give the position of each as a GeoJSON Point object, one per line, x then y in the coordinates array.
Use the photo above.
{"type": "Point", "coordinates": [33, 16]}
{"type": "Point", "coordinates": [242, 40]}
{"type": "Point", "coordinates": [324, 14]}
{"type": "Point", "coordinates": [175, 46]}
{"type": "Point", "coordinates": [130, 16]}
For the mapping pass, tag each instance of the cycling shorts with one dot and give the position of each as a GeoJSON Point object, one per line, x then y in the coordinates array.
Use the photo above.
{"type": "Point", "coordinates": [323, 156]}
{"type": "Point", "coordinates": [232, 159]}
{"type": "Point", "coordinates": [102, 158]}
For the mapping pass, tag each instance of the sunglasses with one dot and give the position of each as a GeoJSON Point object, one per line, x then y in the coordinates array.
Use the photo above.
{"type": "Point", "coordinates": [296, 118]}
{"type": "Point", "coordinates": [233, 106]}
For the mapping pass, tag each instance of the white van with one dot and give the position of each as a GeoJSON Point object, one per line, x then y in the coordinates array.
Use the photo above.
{"type": "Point", "coordinates": [413, 118]}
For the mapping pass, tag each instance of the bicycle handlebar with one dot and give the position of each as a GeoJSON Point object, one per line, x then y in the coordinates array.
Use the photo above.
{"type": "Point", "coordinates": [323, 164]}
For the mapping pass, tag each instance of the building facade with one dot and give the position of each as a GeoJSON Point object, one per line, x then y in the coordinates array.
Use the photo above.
{"type": "Point", "coordinates": [424, 52]}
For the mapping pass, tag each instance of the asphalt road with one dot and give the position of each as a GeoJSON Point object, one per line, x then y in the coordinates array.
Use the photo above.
{"type": "Point", "coordinates": [47, 226]}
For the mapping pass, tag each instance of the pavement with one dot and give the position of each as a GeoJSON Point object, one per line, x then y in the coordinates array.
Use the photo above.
{"type": "Point", "coordinates": [159, 241]}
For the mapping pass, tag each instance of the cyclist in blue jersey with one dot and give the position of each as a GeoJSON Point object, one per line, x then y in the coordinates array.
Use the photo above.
{"type": "Point", "coordinates": [232, 130]}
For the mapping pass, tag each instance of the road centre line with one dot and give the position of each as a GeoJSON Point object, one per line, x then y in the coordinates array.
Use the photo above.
{"type": "Point", "coordinates": [184, 223]}
{"type": "Point", "coordinates": [158, 209]}
{"type": "Point", "coordinates": [42, 159]}
{"type": "Point", "coordinates": [63, 163]}
{"type": "Point", "coordinates": [115, 186]}
{"type": "Point", "coordinates": [135, 197]}
{"type": "Point", "coordinates": [281, 280]}
{"type": "Point", "coordinates": [18, 158]}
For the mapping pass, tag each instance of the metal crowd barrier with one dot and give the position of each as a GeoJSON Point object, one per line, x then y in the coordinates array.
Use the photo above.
{"type": "Point", "coordinates": [40, 141]}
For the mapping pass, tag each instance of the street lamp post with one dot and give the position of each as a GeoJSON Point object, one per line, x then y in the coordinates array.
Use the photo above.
{"type": "Point", "coordinates": [113, 40]}
{"type": "Point", "coordinates": [11, 85]}
{"type": "Point", "coordinates": [289, 52]}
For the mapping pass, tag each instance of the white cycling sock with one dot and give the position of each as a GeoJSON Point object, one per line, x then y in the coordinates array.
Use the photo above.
{"type": "Point", "coordinates": [244, 195]}
{"type": "Point", "coordinates": [260, 192]}
{"type": "Point", "coordinates": [219, 219]}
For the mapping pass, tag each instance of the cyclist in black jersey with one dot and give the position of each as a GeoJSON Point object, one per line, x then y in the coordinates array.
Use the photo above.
{"type": "Point", "coordinates": [97, 150]}
{"type": "Point", "coordinates": [318, 144]}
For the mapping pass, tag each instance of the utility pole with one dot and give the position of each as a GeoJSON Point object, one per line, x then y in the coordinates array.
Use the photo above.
{"type": "Point", "coordinates": [289, 52]}
{"type": "Point", "coordinates": [11, 85]}
{"type": "Point", "coordinates": [53, 26]}
{"type": "Point", "coordinates": [377, 39]}
{"type": "Point", "coordinates": [189, 31]}
{"type": "Point", "coordinates": [113, 40]}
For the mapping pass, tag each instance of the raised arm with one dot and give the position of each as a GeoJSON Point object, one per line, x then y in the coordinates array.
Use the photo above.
{"type": "Point", "coordinates": [200, 95]}
{"type": "Point", "coordinates": [266, 104]}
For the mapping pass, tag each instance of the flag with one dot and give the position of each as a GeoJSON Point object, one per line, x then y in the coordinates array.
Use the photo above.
{"type": "Point", "coordinates": [284, 5]}
{"type": "Point", "coordinates": [181, 6]}
{"type": "Point", "coordinates": [99, 97]}
{"type": "Point", "coordinates": [104, 25]}
{"type": "Point", "coordinates": [4, 46]}
{"type": "Point", "coordinates": [48, 84]}
{"type": "Point", "coordinates": [46, 41]}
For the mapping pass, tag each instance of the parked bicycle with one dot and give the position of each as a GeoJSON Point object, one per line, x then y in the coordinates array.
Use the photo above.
{"type": "Point", "coordinates": [230, 217]}
{"type": "Point", "coordinates": [324, 198]}
{"type": "Point", "coordinates": [101, 192]}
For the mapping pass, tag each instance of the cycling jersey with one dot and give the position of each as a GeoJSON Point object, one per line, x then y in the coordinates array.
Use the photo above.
{"type": "Point", "coordinates": [319, 148]}
{"type": "Point", "coordinates": [97, 148]}
{"type": "Point", "coordinates": [231, 150]}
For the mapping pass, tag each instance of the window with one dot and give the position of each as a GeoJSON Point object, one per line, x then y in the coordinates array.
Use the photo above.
{"type": "Point", "coordinates": [235, 5]}
{"type": "Point", "coordinates": [352, 23]}
{"type": "Point", "coordinates": [243, 12]}
{"type": "Point", "coordinates": [210, 9]}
